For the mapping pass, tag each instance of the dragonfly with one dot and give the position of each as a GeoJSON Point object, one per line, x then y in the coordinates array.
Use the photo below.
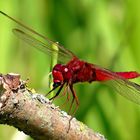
{"type": "Point", "coordinates": [72, 70]}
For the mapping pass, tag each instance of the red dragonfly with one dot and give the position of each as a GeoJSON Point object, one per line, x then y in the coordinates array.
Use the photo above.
{"type": "Point", "coordinates": [72, 70]}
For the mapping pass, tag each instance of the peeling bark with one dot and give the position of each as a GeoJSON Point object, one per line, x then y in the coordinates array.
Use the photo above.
{"type": "Point", "coordinates": [35, 115]}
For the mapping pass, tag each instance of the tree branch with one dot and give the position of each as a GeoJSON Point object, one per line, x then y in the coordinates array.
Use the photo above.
{"type": "Point", "coordinates": [35, 115]}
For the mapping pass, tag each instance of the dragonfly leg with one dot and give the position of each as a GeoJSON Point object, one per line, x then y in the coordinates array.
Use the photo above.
{"type": "Point", "coordinates": [57, 92]}
{"type": "Point", "coordinates": [64, 92]}
{"type": "Point", "coordinates": [51, 91]}
{"type": "Point", "coordinates": [74, 98]}
{"type": "Point", "coordinates": [68, 94]}
{"type": "Point", "coordinates": [71, 105]}
{"type": "Point", "coordinates": [67, 99]}
{"type": "Point", "coordinates": [77, 104]}
{"type": "Point", "coordinates": [72, 114]}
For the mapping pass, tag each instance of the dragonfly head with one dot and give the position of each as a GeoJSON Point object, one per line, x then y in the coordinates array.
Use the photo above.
{"type": "Point", "coordinates": [61, 74]}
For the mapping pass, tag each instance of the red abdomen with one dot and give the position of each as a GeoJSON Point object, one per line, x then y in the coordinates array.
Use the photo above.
{"type": "Point", "coordinates": [105, 75]}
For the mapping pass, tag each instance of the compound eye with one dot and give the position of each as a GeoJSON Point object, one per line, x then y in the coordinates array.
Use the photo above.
{"type": "Point", "coordinates": [56, 84]}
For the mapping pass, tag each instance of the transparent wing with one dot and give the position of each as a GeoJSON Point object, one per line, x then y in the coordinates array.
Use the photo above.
{"type": "Point", "coordinates": [48, 47]}
{"type": "Point", "coordinates": [124, 87]}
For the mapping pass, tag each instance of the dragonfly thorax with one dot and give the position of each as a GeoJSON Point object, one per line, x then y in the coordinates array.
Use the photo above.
{"type": "Point", "coordinates": [61, 74]}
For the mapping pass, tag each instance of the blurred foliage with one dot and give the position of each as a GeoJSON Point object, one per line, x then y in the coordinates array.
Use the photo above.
{"type": "Point", "coordinates": [105, 32]}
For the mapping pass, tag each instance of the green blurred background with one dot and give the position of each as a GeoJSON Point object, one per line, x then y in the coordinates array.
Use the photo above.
{"type": "Point", "coordinates": [104, 32]}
